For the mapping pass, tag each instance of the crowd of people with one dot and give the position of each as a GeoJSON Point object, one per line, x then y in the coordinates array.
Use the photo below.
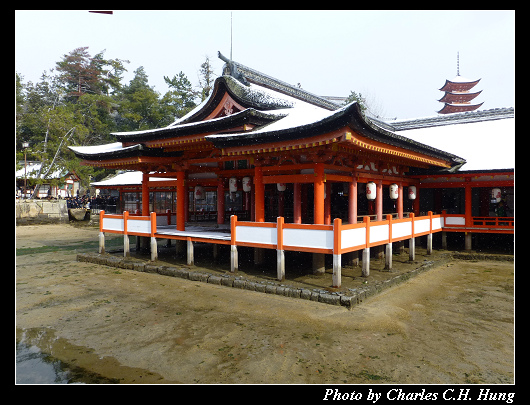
{"type": "Point", "coordinates": [104, 202]}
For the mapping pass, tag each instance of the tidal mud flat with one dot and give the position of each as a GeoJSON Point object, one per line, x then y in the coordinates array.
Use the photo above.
{"type": "Point", "coordinates": [451, 324]}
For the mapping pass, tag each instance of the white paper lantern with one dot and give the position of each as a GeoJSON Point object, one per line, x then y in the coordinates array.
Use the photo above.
{"type": "Point", "coordinates": [412, 192]}
{"type": "Point", "coordinates": [232, 184]}
{"type": "Point", "coordinates": [371, 190]}
{"type": "Point", "coordinates": [496, 194]}
{"type": "Point", "coordinates": [394, 191]}
{"type": "Point", "coordinates": [281, 186]}
{"type": "Point", "coordinates": [247, 184]}
{"type": "Point", "coordinates": [199, 193]}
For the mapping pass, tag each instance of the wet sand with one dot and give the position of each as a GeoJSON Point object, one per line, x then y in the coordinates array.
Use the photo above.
{"type": "Point", "coordinates": [451, 324]}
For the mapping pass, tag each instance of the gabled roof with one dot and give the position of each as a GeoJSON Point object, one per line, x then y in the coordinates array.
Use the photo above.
{"type": "Point", "coordinates": [248, 108]}
{"type": "Point", "coordinates": [247, 75]}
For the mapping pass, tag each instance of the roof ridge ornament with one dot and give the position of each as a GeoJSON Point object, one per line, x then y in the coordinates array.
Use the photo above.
{"type": "Point", "coordinates": [230, 69]}
{"type": "Point", "coordinates": [253, 76]}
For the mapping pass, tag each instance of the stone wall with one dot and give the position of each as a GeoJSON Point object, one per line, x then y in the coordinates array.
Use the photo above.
{"type": "Point", "coordinates": [347, 299]}
{"type": "Point", "coordinates": [40, 211]}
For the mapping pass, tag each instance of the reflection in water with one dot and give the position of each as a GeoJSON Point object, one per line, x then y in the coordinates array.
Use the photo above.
{"type": "Point", "coordinates": [35, 367]}
{"type": "Point", "coordinates": [36, 364]}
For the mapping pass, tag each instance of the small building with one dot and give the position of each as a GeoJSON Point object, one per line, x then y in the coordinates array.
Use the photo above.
{"type": "Point", "coordinates": [59, 183]}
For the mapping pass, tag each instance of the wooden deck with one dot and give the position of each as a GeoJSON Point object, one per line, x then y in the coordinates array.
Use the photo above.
{"type": "Point", "coordinates": [195, 233]}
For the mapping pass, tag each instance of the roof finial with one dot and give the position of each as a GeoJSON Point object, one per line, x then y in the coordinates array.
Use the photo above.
{"type": "Point", "coordinates": [458, 63]}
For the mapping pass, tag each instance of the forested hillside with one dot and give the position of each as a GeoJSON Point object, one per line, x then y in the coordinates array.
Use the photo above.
{"type": "Point", "coordinates": [83, 98]}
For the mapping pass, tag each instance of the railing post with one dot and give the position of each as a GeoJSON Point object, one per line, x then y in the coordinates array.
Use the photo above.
{"type": "Point", "coordinates": [233, 248]}
{"type": "Point", "coordinates": [101, 233]}
{"type": "Point", "coordinates": [189, 252]}
{"type": "Point", "coordinates": [125, 236]}
{"type": "Point", "coordinates": [412, 240]}
{"type": "Point", "coordinates": [337, 224]}
{"type": "Point", "coordinates": [388, 247]}
{"type": "Point", "coordinates": [280, 255]}
{"type": "Point", "coordinates": [154, 246]}
{"type": "Point", "coordinates": [429, 236]}
{"type": "Point", "coordinates": [366, 250]}
{"type": "Point", "coordinates": [444, 233]}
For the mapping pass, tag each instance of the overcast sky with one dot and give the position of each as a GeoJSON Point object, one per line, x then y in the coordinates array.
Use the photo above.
{"type": "Point", "coordinates": [398, 59]}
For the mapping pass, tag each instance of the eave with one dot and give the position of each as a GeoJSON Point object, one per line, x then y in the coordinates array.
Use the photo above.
{"type": "Point", "coordinates": [458, 86]}
{"type": "Point", "coordinates": [332, 129]}
{"type": "Point", "coordinates": [456, 108]}
{"type": "Point", "coordinates": [458, 97]}
{"type": "Point", "coordinates": [250, 116]}
{"type": "Point", "coordinates": [130, 162]}
{"type": "Point", "coordinates": [114, 151]}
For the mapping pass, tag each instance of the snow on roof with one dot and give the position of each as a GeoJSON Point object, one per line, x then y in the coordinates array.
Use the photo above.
{"type": "Point", "coordinates": [485, 145]}
{"type": "Point", "coordinates": [96, 149]}
{"type": "Point", "coordinates": [461, 79]}
{"type": "Point", "coordinates": [453, 118]}
{"type": "Point", "coordinates": [299, 113]}
{"type": "Point", "coordinates": [32, 169]}
{"type": "Point", "coordinates": [127, 179]}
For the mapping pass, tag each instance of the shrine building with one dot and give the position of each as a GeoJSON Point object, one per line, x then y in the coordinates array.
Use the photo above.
{"type": "Point", "coordinates": [272, 166]}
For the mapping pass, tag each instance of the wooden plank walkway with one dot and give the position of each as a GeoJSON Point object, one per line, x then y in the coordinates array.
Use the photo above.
{"type": "Point", "coordinates": [195, 232]}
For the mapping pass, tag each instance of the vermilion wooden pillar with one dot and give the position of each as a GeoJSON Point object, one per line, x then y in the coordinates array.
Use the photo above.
{"type": "Point", "coordinates": [259, 195]}
{"type": "Point", "coordinates": [352, 202]}
{"type": "Point", "coordinates": [468, 205]}
{"type": "Point", "coordinates": [379, 201]}
{"type": "Point", "coordinates": [400, 200]}
{"type": "Point", "coordinates": [327, 204]}
{"type": "Point", "coordinates": [181, 203]}
{"type": "Point", "coordinates": [145, 194]}
{"type": "Point", "coordinates": [253, 203]}
{"type": "Point", "coordinates": [220, 202]}
{"type": "Point", "coordinates": [297, 203]}
{"type": "Point", "coordinates": [281, 203]}
{"type": "Point", "coordinates": [318, 217]}
{"type": "Point", "coordinates": [318, 198]}
{"type": "Point", "coordinates": [468, 213]}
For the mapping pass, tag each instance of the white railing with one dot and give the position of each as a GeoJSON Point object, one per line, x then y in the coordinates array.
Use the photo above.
{"type": "Point", "coordinates": [126, 225]}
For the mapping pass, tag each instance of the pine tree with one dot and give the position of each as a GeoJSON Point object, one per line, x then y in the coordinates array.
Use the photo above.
{"type": "Point", "coordinates": [358, 97]}
{"type": "Point", "coordinates": [205, 79]}
{"type": "Point", "coordinates": [180, 99]}
{"type": "Point", "coordinates": [140, 107]}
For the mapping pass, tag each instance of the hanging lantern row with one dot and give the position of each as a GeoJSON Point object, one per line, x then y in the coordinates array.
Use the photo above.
{"type": "Point", "coordinates": [371, 191]}
{"type": "Point", "coordinates": [247, 184]}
